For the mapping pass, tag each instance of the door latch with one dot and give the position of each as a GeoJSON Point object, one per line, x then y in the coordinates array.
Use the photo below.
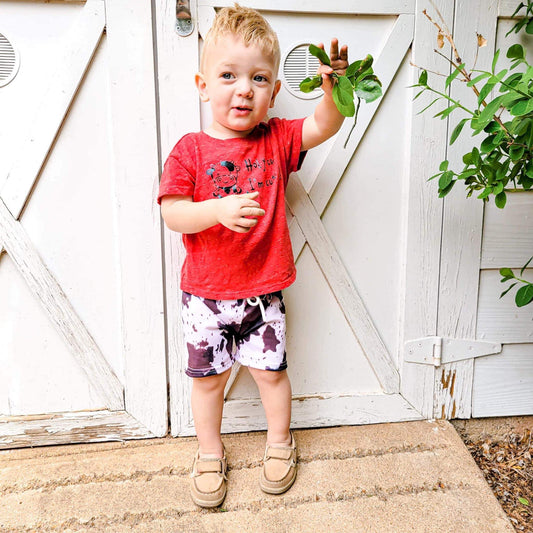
{"type": "Point", "coordinates": [184, 22]}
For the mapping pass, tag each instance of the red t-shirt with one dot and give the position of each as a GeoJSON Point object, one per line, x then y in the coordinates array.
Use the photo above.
{"type": "Point", "coordinates": [221, 264]}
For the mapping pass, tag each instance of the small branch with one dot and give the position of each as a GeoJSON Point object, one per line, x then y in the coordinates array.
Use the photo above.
{"type": "Point", "coordinates": [427, 70]}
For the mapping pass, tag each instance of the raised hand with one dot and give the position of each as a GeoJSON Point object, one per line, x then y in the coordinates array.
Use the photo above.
{"type": "Point", "coordinates": [239, 212]}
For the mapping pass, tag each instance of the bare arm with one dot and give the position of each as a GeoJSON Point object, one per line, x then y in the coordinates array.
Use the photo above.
{"type": "Point", "coordinates": [326, 119]}
{"type": "Point", "coordinates": [181, 214]}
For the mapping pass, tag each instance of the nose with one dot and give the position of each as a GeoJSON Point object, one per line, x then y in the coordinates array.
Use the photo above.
{"type": "Point", "coordinates": [244, 88]}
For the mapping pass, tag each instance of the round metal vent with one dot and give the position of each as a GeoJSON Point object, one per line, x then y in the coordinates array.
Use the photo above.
{"type": "Point", "coordinates": [299, 64]}
{"type": "Point", "coordinates": [9, 61]}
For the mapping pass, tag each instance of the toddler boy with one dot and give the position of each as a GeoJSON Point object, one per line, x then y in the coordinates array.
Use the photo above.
{"type": "Point", "coordinates": [224, 190]}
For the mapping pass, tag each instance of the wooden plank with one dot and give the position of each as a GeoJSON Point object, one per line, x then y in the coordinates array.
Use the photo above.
{"type": "Point", "coordinates": [386, 66]}
{"type": "Point", "coordinates": [499, 318]}
{"type": "Point", "coordinates": [136, 177]}
{"type": "Point", "coordinates": [320, 410]}
{"type": "Point", "coordinates": [69, 428]}
{"type": "Point", "coordinates": [463, 224]}
{"type": "Point", "coordinates": [503, 385]}
{"type": "Point", "coordinates": [43, 284]}
{"type": "Point", "coordinates": [507, 7]}
{"type": "Point", "coordinates": [342, 286]}
{"type": "Point", "coordinates": [359, 7]}
{"type": "Point", "coordinates": [80, 47]}
{"type": "Point", "coordinates": [177, 63]}
{"type": "Point", "coordinates": [423, 217]}
{"type": "Point", "coordinates": [505, 242]}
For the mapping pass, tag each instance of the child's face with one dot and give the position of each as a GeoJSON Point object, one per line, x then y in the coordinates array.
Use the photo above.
{"type": "Point", "coordinates": [240, 82]}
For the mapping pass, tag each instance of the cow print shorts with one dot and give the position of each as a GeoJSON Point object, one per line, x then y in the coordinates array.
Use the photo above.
{"type": "Point", "coordinates": [220, 332]}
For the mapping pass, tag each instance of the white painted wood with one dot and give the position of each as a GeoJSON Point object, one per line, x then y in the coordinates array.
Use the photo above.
{"type": "Point", "coordinates": [386, 65]}
{"type": "Point", "coordinates": [505, 241]}
{"type": "Point", "coordinates": [60, 311]}
{"type": "Point", "coordinates": [500, 318]}
{"type": "Point", "coordinates": [179, 113]}
{"type": "Point", "coordinates": [206, 16]}
{"type": "Point", "coordinates": [135, 155]}
{"type": "Point", "coordinates": [507, 7]}
{"type": "Point", "coordinates": [342, 286]}
{"type": "Point", "coordinates": [69, 428]}
{"type": "Point", "coordinates": [503, 385]}
{"type": "Point", "coordinates": [82, 43]}
{"type": "Point", "coordinates": [463, 221]}
{"type": "Point", "coordinates": [360, 7]}
{"type": "Point", "coordinates": [424, 217]}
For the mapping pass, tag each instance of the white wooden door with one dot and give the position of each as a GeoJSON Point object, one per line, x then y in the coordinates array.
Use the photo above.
{"type": "Point", "coordinates": [469, 305]}
{"type": "Point", "coordinates": [82, 349]}
{"type": "Point", "coordinates": [365, 224]}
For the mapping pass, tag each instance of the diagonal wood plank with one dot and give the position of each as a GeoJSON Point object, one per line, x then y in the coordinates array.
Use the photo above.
{"type": "Point", "coordinates": [342, 286]}
{"type": "Point", "coordinates": [83, 39]}
{"type": "Point", "coordinates": [43, 284]}
{"type": "Point", "coordinates": [386, 66]}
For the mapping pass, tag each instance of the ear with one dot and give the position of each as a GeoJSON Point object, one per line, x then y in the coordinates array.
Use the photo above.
{"type": "Point", "coordinates": [201, 85]}
{"type": "Point", "coordinates": [277, 87]}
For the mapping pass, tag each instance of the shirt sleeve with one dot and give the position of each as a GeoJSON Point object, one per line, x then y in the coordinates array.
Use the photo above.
{"type": "Point", "coordinates": [178, 177]}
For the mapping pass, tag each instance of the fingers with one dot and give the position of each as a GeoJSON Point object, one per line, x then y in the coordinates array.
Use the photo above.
{"type": "Point", "coordinates": [334, 50]}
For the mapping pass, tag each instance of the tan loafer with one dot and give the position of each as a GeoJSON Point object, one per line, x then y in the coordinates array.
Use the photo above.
{"type": "Point", "coordinates": [279, 468]}
{"type": "Point", "coordinates": [208, 480]}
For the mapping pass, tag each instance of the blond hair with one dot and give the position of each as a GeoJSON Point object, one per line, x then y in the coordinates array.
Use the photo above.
{"type": "Point", "coordinates": [247, 24]}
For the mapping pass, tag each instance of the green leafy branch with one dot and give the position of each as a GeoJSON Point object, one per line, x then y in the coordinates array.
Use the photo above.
{"type": "Point", "coordinates": [359, 81]}
{"type": "Point", "coordinates": [505, 156]}
{"type": "Point", "coordinates": [524, 295]}
{"type": "Point", "coordinates": [526, 21]}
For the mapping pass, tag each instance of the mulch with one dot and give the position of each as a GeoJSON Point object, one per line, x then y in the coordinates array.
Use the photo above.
{"type": "Point", "coordinates": [508, 468]}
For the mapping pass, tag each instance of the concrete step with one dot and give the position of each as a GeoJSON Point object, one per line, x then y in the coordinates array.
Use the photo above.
{"type": "Point", "coordinates": [414, 476]}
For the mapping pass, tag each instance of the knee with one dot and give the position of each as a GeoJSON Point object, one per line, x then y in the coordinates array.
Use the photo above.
{"type": "Point", "coordinates": [269, 377]}
{"type": "Point", "coordinates": [212, 384]}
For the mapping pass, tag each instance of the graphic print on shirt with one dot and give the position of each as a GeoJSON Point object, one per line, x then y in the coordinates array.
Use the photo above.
{"type": "Point", "coordinates": [225, 177]}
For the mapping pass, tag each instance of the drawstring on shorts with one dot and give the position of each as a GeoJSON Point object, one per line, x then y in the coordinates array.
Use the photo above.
{"type": "Point", "coordinates": [254, 301]}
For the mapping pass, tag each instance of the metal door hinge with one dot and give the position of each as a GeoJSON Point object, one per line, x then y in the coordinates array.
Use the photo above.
{"type": "Point", "coordinates": [438, 351]}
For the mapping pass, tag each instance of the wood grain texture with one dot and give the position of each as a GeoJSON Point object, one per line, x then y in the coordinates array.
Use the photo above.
{"type": "Point", "coordinates": [69, 428]}
{"type": "Point", "coordinates": [84, 37]}
{"type": "Point", "coordinates": [342, 286]}
{"type": "Point", "coordinates": [462, 223]}
{"type": "Point", "coordinates": [60, 311]}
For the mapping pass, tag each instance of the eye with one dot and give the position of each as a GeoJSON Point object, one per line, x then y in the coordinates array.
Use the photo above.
{"type": "Point", "coordinates": [260, 78]}
{"type": "Point", "coordinates": [227, 75]}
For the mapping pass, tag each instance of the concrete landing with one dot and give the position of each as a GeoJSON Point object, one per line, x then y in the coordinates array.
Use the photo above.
{"type": "Point", "coordinates": [386, 478]}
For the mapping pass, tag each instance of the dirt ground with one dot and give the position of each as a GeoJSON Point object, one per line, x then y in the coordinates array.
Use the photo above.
{"type": "Point", "coordinates": [503, 448]}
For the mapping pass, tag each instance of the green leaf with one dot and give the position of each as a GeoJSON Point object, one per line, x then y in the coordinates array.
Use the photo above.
{"type": "Point", "coordinates": [494, 61]}
{"type": "Point", "coordinates": [457, 130]}
{"type": "Point", "coordinates": [310, 84]}
{"type": "Point", "coordinates": [506, 272]}
{"type": "Point", "coordinates": [478, 79]}
{"type": "Point", "coordinates": [516, 152]}
{"type": "Point", "coordinates": [368, 90]}
{"type": "Point", "coordinates": [353, 68]}
{"type": "Point", "coordinates": [508, 288]}
{"type": "Point", "coordinates": [486, 192]}
{"type": "Point", "coordinates": [446, 190]}
{"type": "Point", "coordinates": [500, 200]}
{"type": "Point", "coordinates": [520, 6]}
{"type": "Point", "coordinates": [454, 75]}
{"type": "Point", "coordinates": [516, 52]}
{"type": "Point", "coordinates": [529, 27]}
{"type": "Point", "coordinates": [488, 144]}
{"type": "Point", "coordinates": [320, 54]}
{"type": "Point", "coordinates": [428, 106]}
{"type": "Point", "coordinates": [525, 266]}
{"type": "Point", "coordinates": [445, 179]}
{"type": "Point", "coordinates": [523, 501]}
{"type": "Point", "coordinates": [520, 108]}
{"type": "Point", "coordinates": [487, 114]}
{"type": "Point", "coordinates": [443, 166]}
{"type": "Point", "coordinates": [423, 78]}
{"type": "Point", "coordinates": [445, 112]}
{"type": "Point", "coordinates": [343, 97]}
{"type": "Point", "coordinates": [524, 295]}
{"type": "Point", "coordinates": [485, 90]}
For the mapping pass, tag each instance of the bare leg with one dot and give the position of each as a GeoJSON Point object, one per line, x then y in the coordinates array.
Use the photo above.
{"type": "Point", "coordinates": [207, 400]}
{"type": "Point", "coordinates": [275, 390]}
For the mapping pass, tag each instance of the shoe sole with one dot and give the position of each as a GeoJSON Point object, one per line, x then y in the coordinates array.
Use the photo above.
{"type": "Point", "coordinates": [207, 504]}
{"type": "Point", "coordinates": [277, 490]}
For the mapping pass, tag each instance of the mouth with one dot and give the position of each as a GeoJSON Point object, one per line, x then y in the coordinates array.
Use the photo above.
{"type": "Point", "coordinates": [242, 109]}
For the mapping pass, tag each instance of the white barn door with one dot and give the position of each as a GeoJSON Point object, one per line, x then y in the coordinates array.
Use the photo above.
{"type": "Point", "coordinates": [82, 348]}
{"type": "Point", "coordinates": [362, 218]}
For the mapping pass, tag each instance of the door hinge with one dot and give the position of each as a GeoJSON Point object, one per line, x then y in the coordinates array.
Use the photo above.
{"type": "Point", "coordinates": [438, 351]}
